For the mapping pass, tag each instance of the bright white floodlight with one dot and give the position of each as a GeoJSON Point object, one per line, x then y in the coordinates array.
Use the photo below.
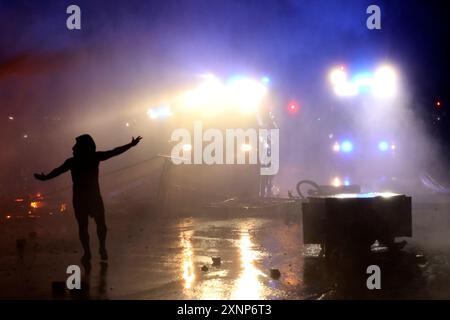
{"type": "Point", "coordinates": [385, 82]}
{"type": "Point", "coordinates": [382, 83]}
{"type": "Point", "coordinates": [342, 87]}
{"type": "Point", "coordinates": [338, 76]}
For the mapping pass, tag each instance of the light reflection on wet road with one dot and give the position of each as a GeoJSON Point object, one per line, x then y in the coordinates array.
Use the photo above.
{"type": "Point", "coordinates": [243, 272]}
{"type": "Point", "coordinates": [248, 284]}
{"type": "Point", "coordinates": [187, 266]}
{"type": "Point", "coordinates": [163, 259]}
{"type": "Point", "coordinates": [158, 259]}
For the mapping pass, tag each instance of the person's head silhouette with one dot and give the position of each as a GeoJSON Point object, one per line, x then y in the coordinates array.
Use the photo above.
{"type": "Point", "coordinates": [84, 146]}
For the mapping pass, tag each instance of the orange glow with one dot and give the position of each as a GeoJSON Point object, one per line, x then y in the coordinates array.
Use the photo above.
{"type": "Point", "coordinates": [19, 200]}
{"type": "Point", "coordinates": [36, 204]}
{"type": "Point", "coordinates": [336, 182]}
{"type": "Point", "coordinates": [8, 217]}
{"type": "Point", "coordinates": [62, 207]}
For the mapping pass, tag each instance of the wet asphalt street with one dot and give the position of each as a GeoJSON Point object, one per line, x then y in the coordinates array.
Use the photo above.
{"type": "Point", "coordinates": [171, 258]}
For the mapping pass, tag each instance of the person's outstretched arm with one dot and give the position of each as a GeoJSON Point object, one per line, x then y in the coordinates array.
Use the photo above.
{"type": "Point", "coordinates": [105, 155]}
{"type": "Point", "coordinates": [55, 172]}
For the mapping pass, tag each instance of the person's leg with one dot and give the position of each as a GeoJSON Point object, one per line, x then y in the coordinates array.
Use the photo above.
{"type": "Point", "coordinates": [83, 232]}
{"type": "Point", "coordinates": [101, 231]}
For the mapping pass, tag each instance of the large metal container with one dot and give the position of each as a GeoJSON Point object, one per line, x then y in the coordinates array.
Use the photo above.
{"type": "Point", "coordinates": [356, 219]}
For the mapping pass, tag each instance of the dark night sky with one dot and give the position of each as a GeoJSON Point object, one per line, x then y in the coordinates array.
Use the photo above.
{"type": "Point", "coordinates": [289, 39]}
{"type": "Point", "coordinates": [128, 48]}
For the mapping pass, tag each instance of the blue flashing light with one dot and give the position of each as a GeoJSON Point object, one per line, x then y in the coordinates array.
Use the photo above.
{"type": "Point", "coordinates": [236, 78]}
{"type": "Point", "coordinates": [265, 80]}
{"type": "Point", "coordinates": [160, 112]}
{"type": "Point", "coordinates": [383, 146]}
{"type": "Point", "coordinates": [346, 146]}
{"type": "Point", "coordinates": [363, 81]}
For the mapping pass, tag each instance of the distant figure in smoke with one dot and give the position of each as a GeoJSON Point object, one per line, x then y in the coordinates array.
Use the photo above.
{"type": "Point", "coordinates": [87, 200]}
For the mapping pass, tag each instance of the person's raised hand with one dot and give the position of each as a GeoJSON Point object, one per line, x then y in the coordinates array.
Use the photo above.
{"type": "Point", "coordinates": [40, 176]}
{"type": "Point", "coordinates": [135, 141]}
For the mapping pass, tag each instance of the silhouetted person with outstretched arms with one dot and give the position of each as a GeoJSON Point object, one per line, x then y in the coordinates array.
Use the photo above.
{"type": "Point", "coordinates": [87, 200]}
